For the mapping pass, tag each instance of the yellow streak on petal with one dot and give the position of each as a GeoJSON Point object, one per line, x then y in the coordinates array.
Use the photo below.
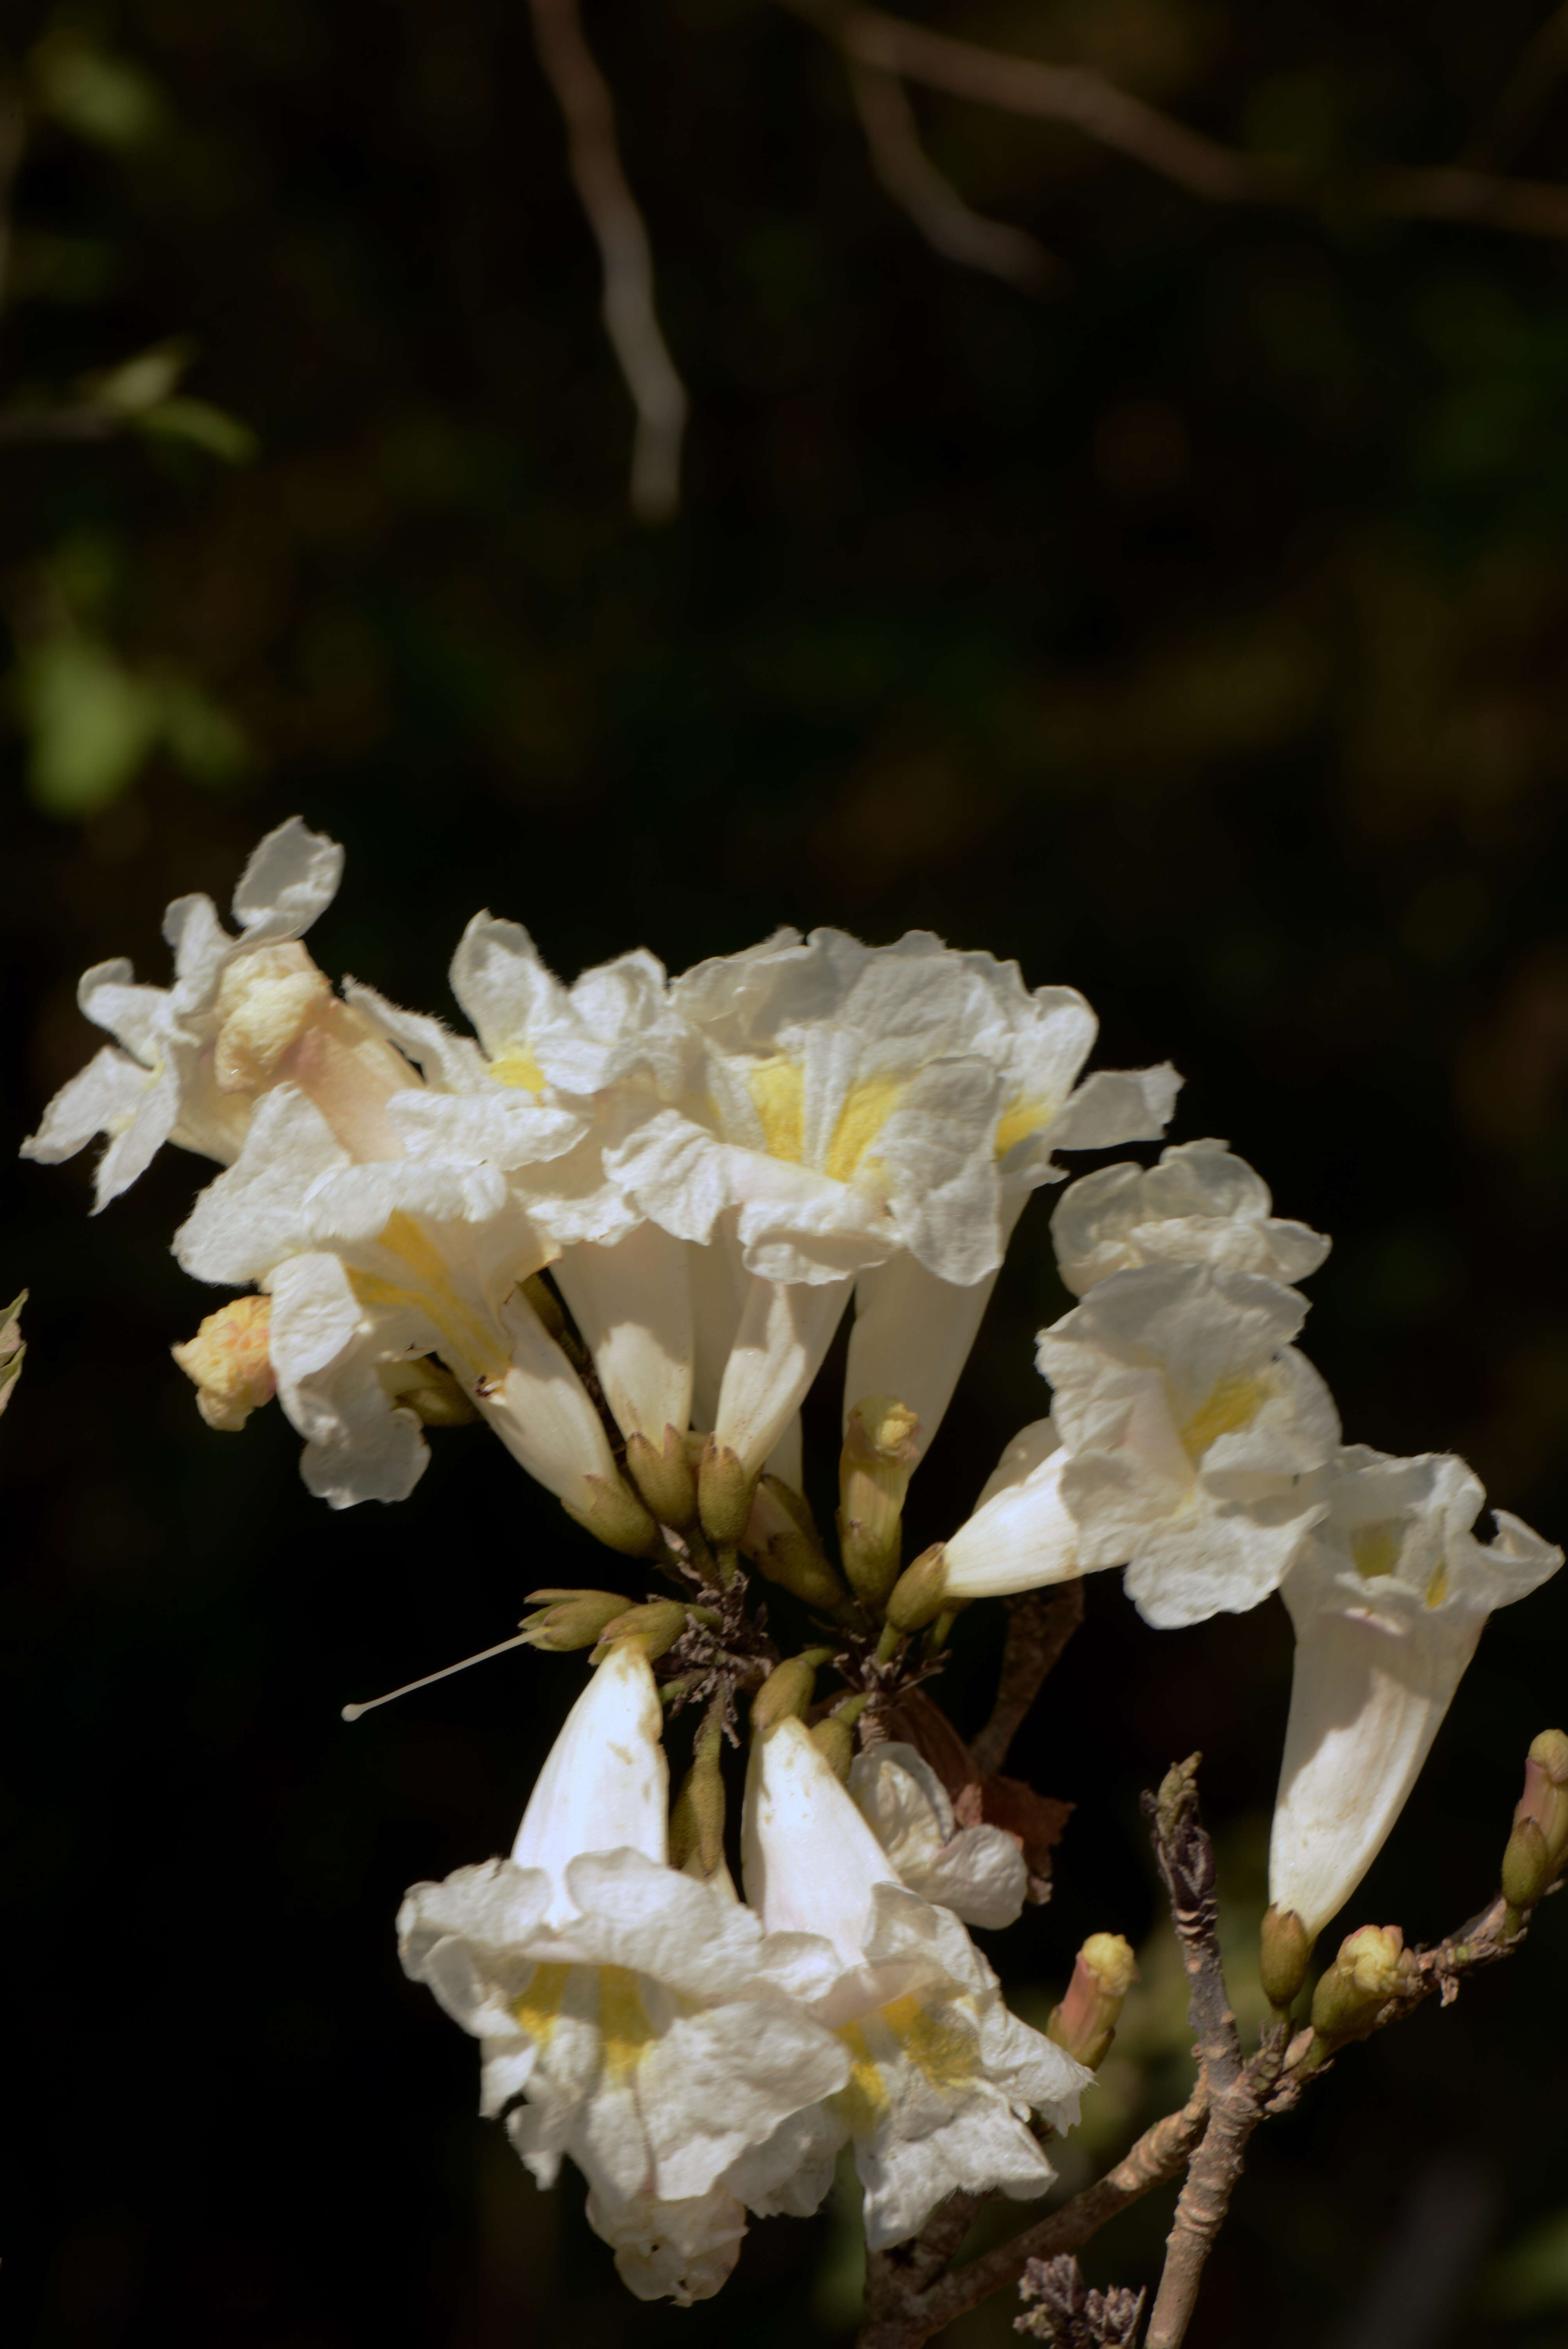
{"type": "Point", "coordinates": [864, 2099]}
{"type": "Point", "coordinates": [1437, 1588]}
{"type": "Point", "coordinates": [466, 1340]}
{"type": "Point", "coordinates": [868, 1105]}
{"type": "Point", "coordinates": [1376, 1549]}
{"type": "Point", "coordinates": [517, 1066]}
{"type": "Point", "coordinates": [777, 1090]}
{"type": "Point", "coordinates": [948, 2056]}
{"type": "Point", "coordinates": [1229, 1405]}
{"type": "Point", "coordinates": [540, 2003]}
{"type": "Point", "coordinates": [624, 2028]}
{"type": "Point", "coordinates": [1025, 1118]}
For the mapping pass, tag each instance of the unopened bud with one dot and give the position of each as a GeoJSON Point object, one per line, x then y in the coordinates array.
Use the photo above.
{"type": "Point", "coordinates": [427, 1388]}
{"type": "Point", "coordinates": [696, 1816]}
{"type": "Point", "coordinates": [782, 1543]}
{"type": "Point", "coordinates": [1284, 1953]}
{"type": "Point", "coordinates": [1545, 1796]}
{"type": "Point", "coordinates": [916, 1598]}
{"type": "Point", "coordinates": [655, 1626]}
{"type": "Point", "coordinates": [1526, 1865]}
{"type": "Point", "coordinates": [616, 1517]}
{"type": "Point", "coordinates": [788, 1689]}
{"type": "Point", "coordinates": [228, 1363]}
{"type": "Point", "coordinates": [664, 1477]}
{"type": "Point", "coordinates": [570, 1619]}
{"type": "Point", "coordinates": [1085, 2023]}
{"type": "Point", "coordinates": [834, 1736]}
{"type": "Point", "coordinates": [724, 1494]}
{"type": "Point", "coordinates": [1365, 1975]}
{"type": "Point", "coordinates": [881, 1449]}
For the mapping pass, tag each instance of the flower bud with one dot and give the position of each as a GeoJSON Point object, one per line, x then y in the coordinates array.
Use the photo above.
{"type": "Point", "coordinates": [696, 1816]}
{"type": "Point", "coordinates": [1526, 1865]}
{"type": "Point", "coordinates": [571, 1619]}
{"type": "Point", "coordinates": [655, 1626]}
{"type": "Point", "coordinates": [1284, 1956]}
{"type": "Point", "coordinates": [917, 1595]}
{"type": "Point", "coordinates": [788, 1689]}
{"type": "Point", "coordinates": [782, 1543]}
{"type": "Point", "coordinates": [228, 1363]}
{"type": "Point", "coordinates": [724, 1494]}
{"type": "Point", "coordinates": [1085, 2022]}
{"type": "Point", "coordinates": [1361, 1981]}
{"type": "Point", "coordinates": [664, 1477]}
{"type": "Point", "coordinates": [834, 1736]}
{"type": "Point", "coordinates": [881, 1448]}
{"type": "Point", "coordinates": [427, 1388]}
{"type": "Point", "coordinates": [1545, 1796]}
{"type": "Point", "coordinates": [616, 1517]}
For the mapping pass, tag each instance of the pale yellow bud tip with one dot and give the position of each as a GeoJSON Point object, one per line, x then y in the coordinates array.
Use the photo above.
{"type": "Point", "coordinates": [228, 1363]}
{"type": "Point", "coordinates": [1110, 1959]}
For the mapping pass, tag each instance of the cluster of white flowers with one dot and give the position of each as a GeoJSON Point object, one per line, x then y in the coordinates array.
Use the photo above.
{"type": "Point", "coordinates": [622, 1221]}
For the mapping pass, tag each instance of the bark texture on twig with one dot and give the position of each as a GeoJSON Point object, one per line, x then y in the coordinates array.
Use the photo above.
{"type": "Point", "coordinates": [1086, 101]}
{"type": "Point", "coordinates": [1186, 1861]}
{"type": "Point", "coordinates": [1040, 1625]}
{"type": "Point", "coordinates": [948, 224]}
{"type": "Point", "coordinates": [657, 393]}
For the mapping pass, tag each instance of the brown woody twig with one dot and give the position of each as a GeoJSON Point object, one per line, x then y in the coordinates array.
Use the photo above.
{"type": "Point", "coordinates": [948, 224]}
{"type": "Point", "coordinates": [1086, 101]}
{"type": "Point", "coordinates": [657, 393]}
{"type": "Point", "coordinates": [1040, 1625]}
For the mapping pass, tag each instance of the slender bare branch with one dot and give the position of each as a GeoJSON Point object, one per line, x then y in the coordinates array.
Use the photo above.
{"type": "Point", "coordinates": [1087, 103]}
{"type": "Point", "coordinates": [657, 393]}
{"type": "Point", "coordinates": [948, 224]}
{"type": "Point", "coordinates": [1040, 1625]}
{"type": "Point", "coordinates": [1525, 94]}
{"type": "Point", "coordinates": [1186, 1860]}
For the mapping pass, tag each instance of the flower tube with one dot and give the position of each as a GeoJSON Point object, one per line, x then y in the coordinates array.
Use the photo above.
{"type": "Point", "coordinates": [939, 2070]}
{"type": "Point", "coordinates": [1390, 1598]}
{"type": "Point", "coordinates": [1022, 1535]}
{"type": "Point", "coordinates": [630, 2017]}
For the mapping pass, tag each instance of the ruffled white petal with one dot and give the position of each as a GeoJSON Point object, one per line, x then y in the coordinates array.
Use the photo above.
{"type": "Point", "coordinates": [1193, 1430]}
{"type": "Point", "coordinates": [978, 1872]}
{"type": "Point", "coordinates": [1199, 1205]}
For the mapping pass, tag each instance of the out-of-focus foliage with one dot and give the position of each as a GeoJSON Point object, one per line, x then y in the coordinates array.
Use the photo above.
{"type": "Point", "coordinates": [1195, 633]}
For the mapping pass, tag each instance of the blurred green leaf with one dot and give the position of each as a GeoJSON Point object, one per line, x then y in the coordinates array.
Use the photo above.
{"type": "Point", "coordinates": [204, 425]}
{"type": "Point", "coordinates": [142, 382]}
{"type": "Point", "coordinates": [92, 723]}
{"type": "Point", "coordinates": [1533, 2275]}
{"type": "Point", "coordinates": [103, 99]}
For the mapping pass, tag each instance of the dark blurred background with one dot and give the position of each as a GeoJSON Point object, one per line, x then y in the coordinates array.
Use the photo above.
{"type": "Point", "coordinates": [1194, 633]}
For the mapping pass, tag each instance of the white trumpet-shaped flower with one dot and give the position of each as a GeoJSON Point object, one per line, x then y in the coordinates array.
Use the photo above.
{"type": "Point", "coordinates": [916, 1317]}
{"type": "Point", "coordinates": [1193, 1428]}
{"type": "Point", "coordinates": [1200, 1204]}
{"type": "Point", "coordinates": [1390, 1598]}
{"type": "Point", "coordinates": [244, 1014]}
{"type": "Point", "coordinates": [940, 2070]}
{"type": "Point", "coordinates": [370, 1264]}
{"type": "Point", "coordinates": [629, 2017]}
{"type": "Point", "coordinates": [978, 1872]}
